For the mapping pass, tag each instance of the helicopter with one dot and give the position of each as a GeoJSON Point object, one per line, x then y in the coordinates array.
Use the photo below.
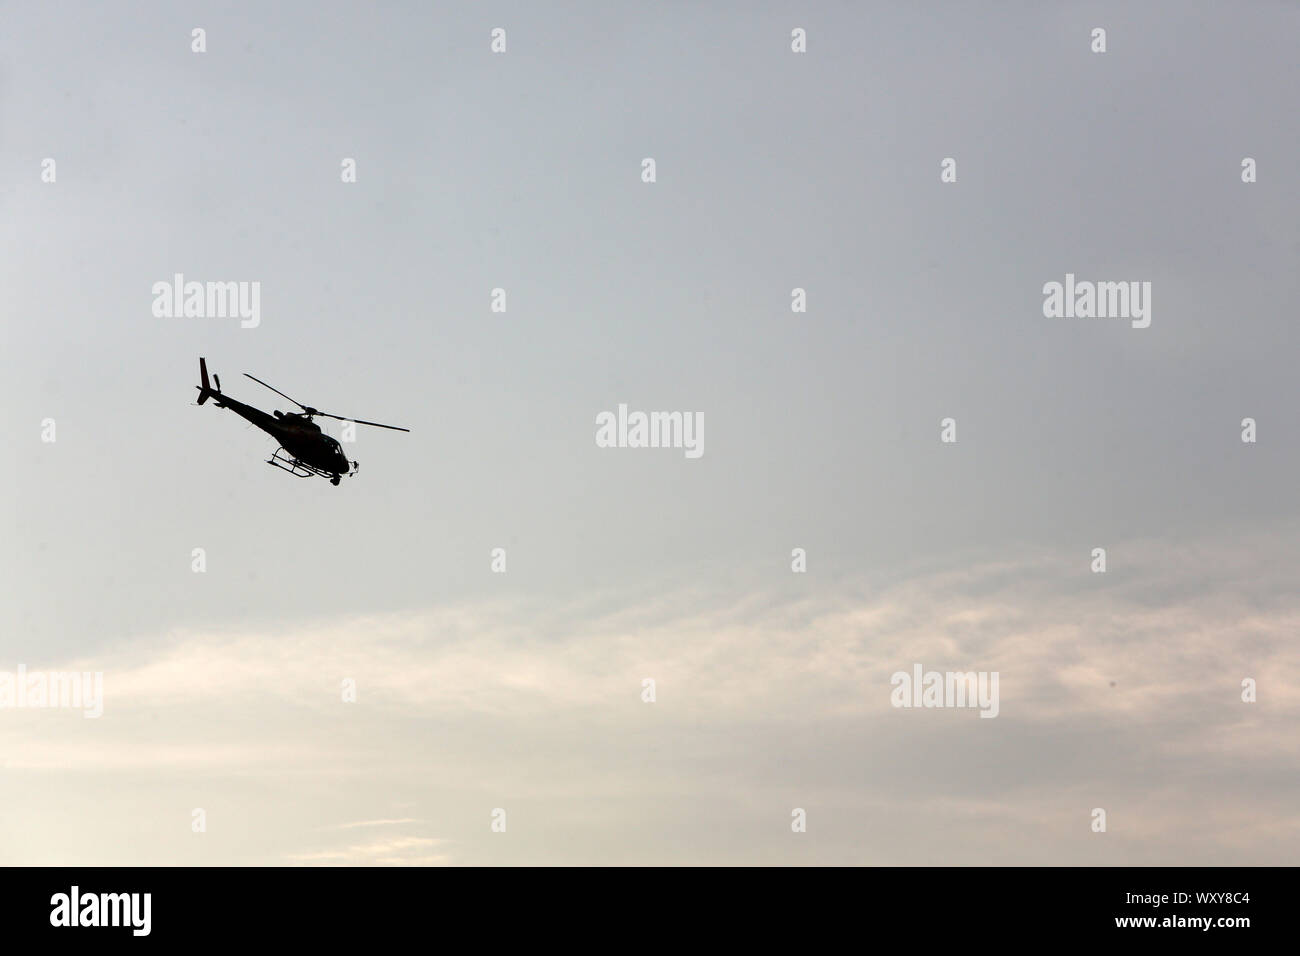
{"type": "Point", "coordinates": [304, 449]}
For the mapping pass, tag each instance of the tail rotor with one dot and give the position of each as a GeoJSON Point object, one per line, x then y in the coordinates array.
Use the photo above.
{"type": "Point", "coordinates": [205, 390]}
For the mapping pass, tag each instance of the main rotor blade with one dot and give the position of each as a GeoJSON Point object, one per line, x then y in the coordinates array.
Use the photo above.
{"type": "Point", "coordinates": [360, 421]}
{"type": "Point", "coordinates": [277, 391]}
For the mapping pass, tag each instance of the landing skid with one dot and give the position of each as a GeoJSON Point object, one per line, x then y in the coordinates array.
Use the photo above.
{"type": "Point", "coordinates": [299, 469]}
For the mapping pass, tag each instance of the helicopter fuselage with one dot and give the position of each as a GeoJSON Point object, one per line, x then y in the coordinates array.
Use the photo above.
{"type": "Point", "coordinates": [304, 449]}
{"type": "Point", "coordinates": [297, 434]}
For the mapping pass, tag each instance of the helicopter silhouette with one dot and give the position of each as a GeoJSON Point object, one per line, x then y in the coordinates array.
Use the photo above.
{"type": "Point", "coordinates": [304, 449]}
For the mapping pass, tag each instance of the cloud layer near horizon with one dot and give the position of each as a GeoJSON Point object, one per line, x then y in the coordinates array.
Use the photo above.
{"type": "Point", "coordinates": [1119, 691]}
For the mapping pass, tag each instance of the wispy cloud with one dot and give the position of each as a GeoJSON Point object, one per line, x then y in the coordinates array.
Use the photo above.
{"type": "Point", "coordinates": [375, 823]}
{"type": "Point", "coordinates": [400, 851]}
{"type": "Point", "coordinates": [1119, 691]}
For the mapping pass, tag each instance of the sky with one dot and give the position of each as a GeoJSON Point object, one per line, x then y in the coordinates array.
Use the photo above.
{"type": "Point", "coordinates": [480, 690]}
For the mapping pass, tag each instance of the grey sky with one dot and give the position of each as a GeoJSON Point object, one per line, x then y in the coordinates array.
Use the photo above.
{"type": "Point", "coordinates": [775, 170]}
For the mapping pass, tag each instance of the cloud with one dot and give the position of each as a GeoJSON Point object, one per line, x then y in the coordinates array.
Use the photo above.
{"type": "Point", "coordinates": [400, 851]}
{"type": "Point", "coordinates": [765, 702]}
{"type": "Point", "coordinates": [376, 823]}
